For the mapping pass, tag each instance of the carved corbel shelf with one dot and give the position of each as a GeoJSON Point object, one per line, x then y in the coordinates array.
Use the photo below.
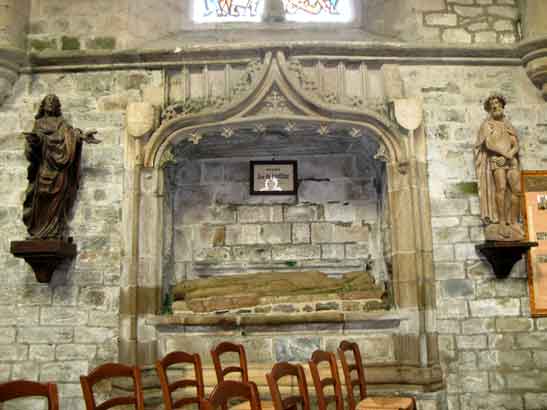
{"type": "Point", "coordinates": [43, 255]}
{"type": "Point", "coordinates": [502, 256]}
{"type": "Point", "coordinates": [11, 60]}
{"type": "Point", "coordinates": [535, 61]}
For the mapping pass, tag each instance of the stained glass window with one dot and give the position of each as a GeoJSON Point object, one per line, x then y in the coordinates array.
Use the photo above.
{"type": "Point", "coordinates": [312, 11]}
{"type": "Point", "coordinates": [218, 11]}
{"type": "Point", "coordinates": [317, 10]}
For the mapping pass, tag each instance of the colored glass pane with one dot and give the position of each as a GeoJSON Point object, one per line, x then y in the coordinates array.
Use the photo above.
{"type": "Point", "coordinates": [218, 11]}
{"type": "Point", "coordinates": [317, 10]}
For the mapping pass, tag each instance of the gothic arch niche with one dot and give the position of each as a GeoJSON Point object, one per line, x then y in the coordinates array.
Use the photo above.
{"type": "Point", "coordinates": [277, 105]}
{"type": "Point", "coordinates": [337, 208]}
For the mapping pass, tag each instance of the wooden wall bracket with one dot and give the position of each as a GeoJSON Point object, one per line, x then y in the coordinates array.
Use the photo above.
{"type": "Point", "coordinates": [43, 255]}
{"type": "Point", "coordinates": [503, 255]}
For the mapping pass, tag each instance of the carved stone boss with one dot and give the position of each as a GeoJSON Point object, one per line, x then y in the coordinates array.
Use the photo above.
{"type": "Point", "coordinates": [54, 150]}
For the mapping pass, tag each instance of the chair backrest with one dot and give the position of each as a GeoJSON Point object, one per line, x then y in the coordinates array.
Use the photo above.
{"type": "Point", "coordinates": [228, 347]}
{"type": "Point", "coordinates": [26, 388]}
{"type": "Point", "coordinates": [291, 402]}
{"type": "Point", "coordinates": [232, 389]}
{"type": "Point", "coordinates": [167, 388]}
{"type": "Point", "coordinates": [317, 358]}
{"type": "Point", "coordinates": [109, 371]}
{"type": "Point", "coordinates": [354, 374]}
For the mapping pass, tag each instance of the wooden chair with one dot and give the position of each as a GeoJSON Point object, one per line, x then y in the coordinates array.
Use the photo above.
{"type": "Point", "coordinates": [317, 358]}
{"type": "Point", "coordinates": [281, 370]}
{"type": "Point", "coordinates": [228, 347]}
{"type": "Point", "coordinates": [167, 388]}
{"type": "Point", "coordinates": [221, 372]}
{"type": "Point", "coordinates": [109, 371]}
{"type": "Point", "coordinates": [25, 388]}
{"type": "Point", "coordinates": [365, 402]}
{"type": "Point", "coordinates": [232, 389]}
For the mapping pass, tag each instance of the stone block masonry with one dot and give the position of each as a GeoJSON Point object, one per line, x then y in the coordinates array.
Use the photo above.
{"type": "Point", "coordinates": [61, 26]}
{"type": "Point", "coordinates": [491, 349]}
{"type": "Point", "coordinates": [61, 330]}
{"type": "Point", "coordinates": [235, 235]}
{"type": "Point", "coordinates": [473, 21]}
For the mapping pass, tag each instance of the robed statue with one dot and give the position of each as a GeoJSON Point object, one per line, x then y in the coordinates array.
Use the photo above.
{"type": "Point", "coordinates": [54, 150]}
{"type": "Point", "coordinates": [498, 174]}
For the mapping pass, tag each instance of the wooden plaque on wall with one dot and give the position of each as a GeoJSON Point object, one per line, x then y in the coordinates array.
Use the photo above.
{"type": "Point", "coordinates": [273, 177]}
{"type": "Point", "coordinates": [534, 200]}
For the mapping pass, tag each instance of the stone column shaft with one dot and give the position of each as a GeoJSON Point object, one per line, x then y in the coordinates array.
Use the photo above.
{"type": "Point", "coordinates": [14, 20]}
{"type": "Point", "coordinates": [534, 18]}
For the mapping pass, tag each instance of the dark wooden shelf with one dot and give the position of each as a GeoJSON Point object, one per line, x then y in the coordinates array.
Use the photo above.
{"type": "Point", "coordinates": [503, 255]}
{"type": "Point", "coordinates": [43, 255]}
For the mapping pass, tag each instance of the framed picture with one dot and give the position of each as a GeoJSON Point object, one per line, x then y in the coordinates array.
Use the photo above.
{"type": "Point", "coordinates": [534, 186]}
{"type": "Point", "coordinates": [273, 177]}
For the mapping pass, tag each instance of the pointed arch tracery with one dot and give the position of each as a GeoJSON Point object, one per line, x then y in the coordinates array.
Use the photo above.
{"type": "Point", "coordinates": [277, 82]}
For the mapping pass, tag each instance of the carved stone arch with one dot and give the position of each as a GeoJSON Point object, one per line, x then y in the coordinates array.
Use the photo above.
{"type": "Point", "coordinates": [276, 94]}
{"type": "Point", "coordinates": [276, 79]}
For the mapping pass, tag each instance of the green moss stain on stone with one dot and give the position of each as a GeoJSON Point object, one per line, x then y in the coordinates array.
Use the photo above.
{"type": "Point", "coordinates": [469, 188]}
{"type": "Point", "coordinates": [43, 44]}
{"type": "Point", "coordinates": [461, 190]}
{"type": "Point", "coordinates": [101, 43]}
{"type": "Point", "coordinates": [70, 43]}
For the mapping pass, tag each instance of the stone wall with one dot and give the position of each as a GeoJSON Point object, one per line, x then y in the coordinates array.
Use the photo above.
{"type": "Point", "coordinates": [270, 342]}
{"type": "Point", "coordinates": [118, 24]}
{"type": "Point", "coordinates": [444, 21]}
{"type": "Point", "coordinates": [14, 17]}
{"type": "Point", "coordinates": [58, 331]}
{"type": "Point", "coordinates": [474, 21]}
{"type": "Point", "coordinates": [332, 225]}
{"type": "Point", "coordinates": [492, 351]}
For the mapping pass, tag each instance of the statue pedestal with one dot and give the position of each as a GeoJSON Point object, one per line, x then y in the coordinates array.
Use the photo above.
{"type": "Point", "coordinates": [43, 255]}
{"type": "Point", "coordinates": [502, 255]}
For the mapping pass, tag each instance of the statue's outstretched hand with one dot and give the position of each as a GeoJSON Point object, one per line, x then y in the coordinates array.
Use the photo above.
{"type": "Point", "coordinates": [89, 137]}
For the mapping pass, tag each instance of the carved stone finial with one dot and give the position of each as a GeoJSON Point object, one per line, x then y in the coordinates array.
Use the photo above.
{"type": "Point", "coordinates": [167, 158]}
{"type": "Point", "coordinates": [227, 132]}
{"type": "Point", "coordinates": [290, 127]}
{"type": "Point", "coordinates": [355, 132]}
{"type": "Point", "coordinates": [195, 137]}
{"type": "Point", "coordinates": [323, 130]}
{"type": "Point", "coordinates": [381, 154]}
{"type": "Point", "coordinates": [259, 129]}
